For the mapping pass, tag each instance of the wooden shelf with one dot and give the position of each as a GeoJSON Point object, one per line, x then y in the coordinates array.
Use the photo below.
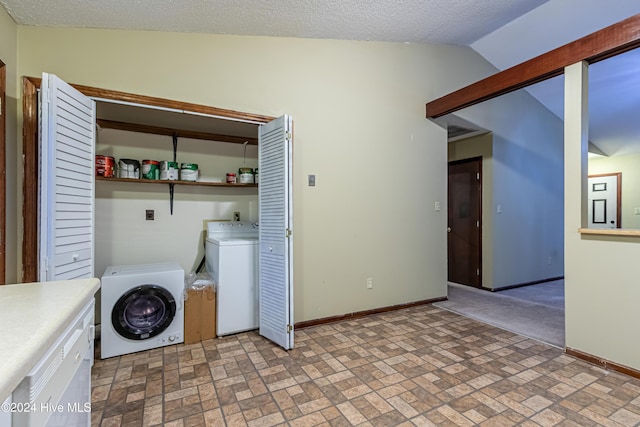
{"type": "Point", "coordinates": [176, 182]}
{"type": "Point", "coordinates": [180, 133]}
{"type": "Point", "coordinates": [610, 231]}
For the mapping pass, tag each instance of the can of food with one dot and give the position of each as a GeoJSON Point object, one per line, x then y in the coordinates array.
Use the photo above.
{"type": "Point", "coordinates": [128, 168]}
{"type": "Point", "coordinates": [188, 171]}
{"type": "Point", "coordinates": [150, 169]}
{"type": "Point", "coordinates": [245, 175]}
{"type": "Point", "coordinates": [231, 178]}
{"type": "Point", "coordinates": [255, 176]}
{"type": "Point", "coordinates": [169, 170]}
{"type": "Point", "coordinates": [105, 166]}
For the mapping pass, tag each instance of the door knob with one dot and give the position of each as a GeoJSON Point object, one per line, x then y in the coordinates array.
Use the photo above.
{"type": "Point", "coordinates": [448, 229]}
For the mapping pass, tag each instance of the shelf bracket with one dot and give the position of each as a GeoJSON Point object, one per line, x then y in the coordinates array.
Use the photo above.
{"type": "Point", "coordinates": [175, 146]}
{"type": "Point", "coordinates": [171, 198]}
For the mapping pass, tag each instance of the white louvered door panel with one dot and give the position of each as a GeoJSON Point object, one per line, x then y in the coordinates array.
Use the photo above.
{"type": "Point", "coordinates": [67, 182]}
{"type": "Point", "coordinates": [274, 198]}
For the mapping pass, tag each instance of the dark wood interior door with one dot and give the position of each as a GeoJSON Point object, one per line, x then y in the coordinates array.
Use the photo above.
{"type": "Point", "coordinates": [465, 225]}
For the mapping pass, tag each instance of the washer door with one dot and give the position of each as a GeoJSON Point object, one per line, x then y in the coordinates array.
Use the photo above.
{"type": "Point", "coordinates": [143, 312]}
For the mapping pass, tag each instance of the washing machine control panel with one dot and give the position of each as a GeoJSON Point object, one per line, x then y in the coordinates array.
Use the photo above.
{"type": "Point", "coordinates": [231, 228]}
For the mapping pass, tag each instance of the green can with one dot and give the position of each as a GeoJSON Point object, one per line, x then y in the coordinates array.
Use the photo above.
{"type": "Point", "coordinates": [169, 170]}
{"type": "Point", "coordinates": [188, 171]}
{"type": "Point", "coordinates": [245, 175]}
{"type": "Point", "coordinates": [150, 169]}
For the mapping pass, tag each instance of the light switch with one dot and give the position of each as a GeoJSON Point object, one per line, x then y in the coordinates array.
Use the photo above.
{"type": "Point", "coordinates": [636, 211]}
{"type": "Point", "coordinates": [312, 180]}
{"type": "Point", "coordinates": [436, 206]}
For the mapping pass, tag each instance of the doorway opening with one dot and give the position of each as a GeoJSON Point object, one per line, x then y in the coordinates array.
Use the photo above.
{"type": "Point", "coordinates": [274, 159]}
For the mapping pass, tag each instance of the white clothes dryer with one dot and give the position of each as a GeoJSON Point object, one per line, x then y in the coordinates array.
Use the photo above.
{"type": "Point", "coordinates": [142, 307]}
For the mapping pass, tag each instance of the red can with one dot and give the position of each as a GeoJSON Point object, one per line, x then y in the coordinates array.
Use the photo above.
{"type": "Point", "coordinates": [231, 178]}
{"type": "Point", "coordinates": [105, 166]}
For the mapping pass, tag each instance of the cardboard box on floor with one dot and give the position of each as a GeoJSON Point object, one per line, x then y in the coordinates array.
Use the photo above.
{"type": "Point", "coordinates": [200, 315]}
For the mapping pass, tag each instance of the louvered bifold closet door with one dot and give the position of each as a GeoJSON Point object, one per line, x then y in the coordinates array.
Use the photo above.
{"type": "Point", "coordinates": [275, 209]}
{"type": "Point", "coordinates": [67, 183]}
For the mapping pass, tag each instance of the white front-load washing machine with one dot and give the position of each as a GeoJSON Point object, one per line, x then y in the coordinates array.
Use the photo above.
{"type": "Point", "coordinates": [142, 307]}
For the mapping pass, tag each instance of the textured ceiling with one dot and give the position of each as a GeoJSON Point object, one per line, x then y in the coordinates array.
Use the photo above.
{"type": "Point", "coordinates": [505, 32]}
{"type": "Point", "coordinates": [433, 21]}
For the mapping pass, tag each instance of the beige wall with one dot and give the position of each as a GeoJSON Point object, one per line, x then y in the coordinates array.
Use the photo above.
{"type": "Point", "coordinates": [629, 166]}
{"type": "Point", "coordinates": [481, 146]}
{"type": "Point", "coordinates": [601, 286]}
{"type": "Point", "coordinates": [9, 55]}
{"type": "Point", "coordinates": [358, 110]}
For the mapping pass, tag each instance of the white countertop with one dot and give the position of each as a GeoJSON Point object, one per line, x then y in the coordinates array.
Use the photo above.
{"type": "Point", "coordinates": [32, 316]}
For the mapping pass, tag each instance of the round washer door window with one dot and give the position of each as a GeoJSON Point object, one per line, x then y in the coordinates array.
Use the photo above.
{"type": "Point", "coordinates": [143, 312]}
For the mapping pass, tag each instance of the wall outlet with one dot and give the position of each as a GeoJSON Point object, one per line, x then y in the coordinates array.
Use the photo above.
{"type": "Point", "coordinates": [369, 282]}
{"type": "Point", "coordinates": [236, 216]}
{"type": "Point", "coordinates": [549, 261]}
{"type": "Point", "coordinates": [150, 214]}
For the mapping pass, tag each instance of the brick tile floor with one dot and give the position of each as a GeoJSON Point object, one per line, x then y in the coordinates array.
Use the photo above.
{"type": "Point", "coordinates": [421, 366]}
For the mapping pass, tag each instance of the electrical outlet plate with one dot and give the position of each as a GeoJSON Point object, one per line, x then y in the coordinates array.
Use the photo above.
{"type": "Point", "coordinates": [150, 214]}
{"type": "Point", "coordinates": [236, 216]}
{"type": "Point", "coordinates": [369, 282]}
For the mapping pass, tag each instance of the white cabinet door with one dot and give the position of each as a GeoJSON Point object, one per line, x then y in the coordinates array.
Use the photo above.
{"type": "Point", "coordinates": [275, 210]}
{"type": "Point", "coordinates": [67, 182]}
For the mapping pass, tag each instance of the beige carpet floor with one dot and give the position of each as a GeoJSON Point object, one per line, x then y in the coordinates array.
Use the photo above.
{"type": "Point", "coordinates": [535, 311]}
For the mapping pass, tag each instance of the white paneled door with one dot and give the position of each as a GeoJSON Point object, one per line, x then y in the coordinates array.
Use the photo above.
{"type": "Point", "coordinates": [604, 201]}
{"type": "Point", "coordinates": [67, 182]}
{"type": "Point", "coordinates": [275, 213]}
